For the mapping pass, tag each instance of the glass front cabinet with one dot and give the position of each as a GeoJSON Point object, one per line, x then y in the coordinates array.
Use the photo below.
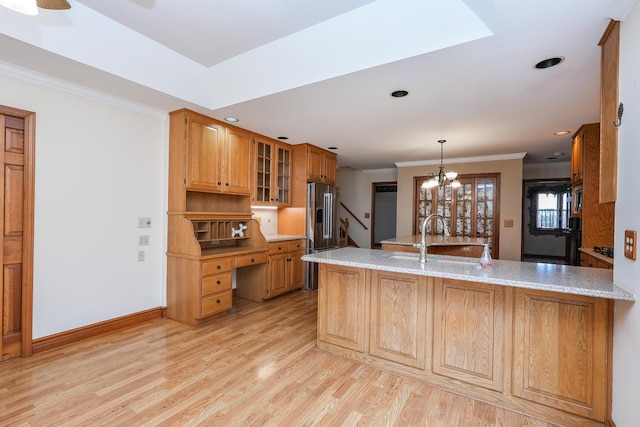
{"type": "Point", "coordinates": [471, 210]}
{"type": "Point", "coordinates": [273, 180]}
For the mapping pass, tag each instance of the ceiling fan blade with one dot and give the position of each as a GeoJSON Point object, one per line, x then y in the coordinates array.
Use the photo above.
{"type": "Point", "coordinates": [53, 4]}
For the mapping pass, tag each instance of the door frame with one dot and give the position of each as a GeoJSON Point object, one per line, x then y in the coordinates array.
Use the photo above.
{"type": "Point", "coordinates": [374, 185]}
{"type": "Point", "coordinates": [26, 327]}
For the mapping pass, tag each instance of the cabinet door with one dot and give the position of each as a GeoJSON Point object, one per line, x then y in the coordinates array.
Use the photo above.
{"type": "Point", "coordinates": [469, 332]}
{"type": "Point", "coordinates": [315, 164]}
{"type": "Point", "coordinates": [398, 317]}
{"type": "Point", "coordinates": [342, 306]}
{"type": "Point", "coordinates": [571, 373]}
{"type": "Point", "coordinates": [295, 270]}
{"type": "Point", "coordinates": [277, 274]}
{"type": "Point", "coordinates": [205, 152]}
{"type": "Point", "coordinates": [238, 162]}
{"type": "Point", "coordinates": [577, 162]}
{"type": "Point", "coordinates": [264, 172]}
{"type": "Point", "coordinates": [283, 175]}
{"type": "Point", "coordinates": [330, 167]}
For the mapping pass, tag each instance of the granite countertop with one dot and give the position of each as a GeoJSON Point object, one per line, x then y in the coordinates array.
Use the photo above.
{"type": "Point", "coordinates": [282, 237]}
{"type": "Point", "coordinates": [436, 240]}
{"type": "Point", "coordinates": [595, 282]}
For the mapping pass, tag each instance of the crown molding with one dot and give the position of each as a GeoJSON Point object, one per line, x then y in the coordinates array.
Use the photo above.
{"type": "Point", "coordinates": [497, 157]}
{"type": "Point", "coordinates": [25, 74]}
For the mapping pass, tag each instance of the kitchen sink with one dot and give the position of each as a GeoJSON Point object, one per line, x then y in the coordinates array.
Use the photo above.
{"type": "Point", "coordinates": [433, 260]}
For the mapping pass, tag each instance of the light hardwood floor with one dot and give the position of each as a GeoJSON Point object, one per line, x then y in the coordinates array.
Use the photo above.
{"type": "Point", "coordinates": [255, 366]}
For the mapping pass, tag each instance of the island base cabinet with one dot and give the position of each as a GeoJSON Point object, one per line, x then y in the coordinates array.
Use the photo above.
{"type": "Point", "coordinates": [343, 306]}
{"type": "Point", "coordinates": [469, 332]}
{"type": "Point", "coordinates": [399, 317]}
{"type": "Point", "coordinates": [561, 351]}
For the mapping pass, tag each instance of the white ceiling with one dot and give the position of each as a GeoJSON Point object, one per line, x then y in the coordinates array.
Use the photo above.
{"type": "Point", "coordinates": [322, 72]}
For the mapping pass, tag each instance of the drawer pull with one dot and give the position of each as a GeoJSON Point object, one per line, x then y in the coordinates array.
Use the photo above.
{"type": "Point", "coordinates": [252, 260]}
{"type": "Point", "coordinates": [218, 282]}
{"type": "Point", "coordinates": [217, 301]}
{"type": "Point", "coordinates": [218, 267]}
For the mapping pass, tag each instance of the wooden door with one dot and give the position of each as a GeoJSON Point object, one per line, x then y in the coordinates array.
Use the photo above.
{"type": "Point", "coordinates": [469, 332]}
{"type": "Point", "coordinates": [572, 372]}
{"type": "Point", "coordinates": [315, 164]}
{"type": "Point", "coordinates": [16, 218]}
{"type": "Point", "coordinates": [238, 162]}
{"type": "Point", "coordinates": [295, 278]}
{"type": "Point", "coordinates": [398, 317]}
{"type": "Point", "coordinates": [342, 306]}
{"type": "Point", "coordinates": [205, 150]}
{"type": "Point", "coordinates": [277, 274]}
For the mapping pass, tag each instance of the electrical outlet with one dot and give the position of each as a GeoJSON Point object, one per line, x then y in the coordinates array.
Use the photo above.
{"type": "Point", "coordinates": [630, 242]}
{"type": "Point", "coordinates": [144, 222]}
{"type": "Point", "coordinates": [140, 256]}
{"type": "Point", "coordinates": [143, 240]}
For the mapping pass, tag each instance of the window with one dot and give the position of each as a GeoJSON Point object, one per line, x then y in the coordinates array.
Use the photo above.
{"type": "Point", "coordinates": [471, 210]}
{"type": "Point", "coordinates": [549, 209]}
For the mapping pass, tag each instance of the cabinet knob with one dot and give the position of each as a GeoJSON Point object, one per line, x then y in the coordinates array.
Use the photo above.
{"type": "Point", "coordinates": [217, 301]}
{"type": "Point", "coordinates": [279, 248]}
{"type": "Point", "coordinates": [218, 282]}
{"type": "Point", "coordinates": [227, 184]}
{"type": "Point", "coordinates": [252, 260]}
{"type": "Point", "coordinates": [218, 267]}
{"type": "Point", "coordinates": [219, 183]}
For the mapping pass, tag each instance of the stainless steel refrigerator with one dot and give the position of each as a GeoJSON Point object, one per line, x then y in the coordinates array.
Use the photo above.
{"type": "Point", "coordinates": [323, 229]}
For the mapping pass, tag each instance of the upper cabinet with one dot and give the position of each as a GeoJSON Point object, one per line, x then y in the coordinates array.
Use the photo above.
{"type": "Point", "coordinates": [577, 158]}
{"type": "Point", "coordinates": [610, 44]}
{"type": "Point", "coordinates": [218, 157]}
{"type": "Point", "coordinates": [273, 173]}
{"type": "Point", "coordinates": [320, 164]}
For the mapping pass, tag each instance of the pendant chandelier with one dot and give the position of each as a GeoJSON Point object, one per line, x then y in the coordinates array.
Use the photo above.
{"type": "Point", "coordinates": [440, 178]}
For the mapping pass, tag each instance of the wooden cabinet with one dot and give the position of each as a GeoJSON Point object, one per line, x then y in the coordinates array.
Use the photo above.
{"type": "Point", "coordinates": [469, 332]}
{"type": "Point", "coordinates": [398, 318]}
{"type": "Point", "coordinates": [609, 74]}
{"type": "Point", "coordinates": [587, 260]}
{"type": "Point", "coordinates": [219, 158]}
{"type": "Point", "coordinates": [273, 173]}
{"type": "Point", "coordinates": [597, 218]}
{"type": "Point", "coordinates": [561, 351]}
{"type": "Point", "coordinates": [286, 268]}
{"type": "Point", "coordinates": [319, 164]}
{"type": "Point", "coordinates": [577, 159]}
{"type": "Point", "coordinates": [537, 352]}
{"type": "Point", "coordinates": [216, 282]}
{"type": "Point", "coordinates": [343, 311]}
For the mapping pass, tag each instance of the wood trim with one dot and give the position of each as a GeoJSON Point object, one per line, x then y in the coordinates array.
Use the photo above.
{"type": "Point", "coordinates": [95, 329]}
{"type": "Point", "coordinates": [354, 216]}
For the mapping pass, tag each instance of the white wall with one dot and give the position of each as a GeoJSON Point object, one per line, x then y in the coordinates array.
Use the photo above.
{"type": "Point", "coordinates": [98, 168]}
{"type": "Point", "coordinates": [355, 193]}
{"type": "Point", "coordinates": [626, 344]}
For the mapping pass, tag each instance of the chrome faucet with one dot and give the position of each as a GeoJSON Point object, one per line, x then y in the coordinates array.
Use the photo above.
{"type": "Point", "coordinates": [423, 239]}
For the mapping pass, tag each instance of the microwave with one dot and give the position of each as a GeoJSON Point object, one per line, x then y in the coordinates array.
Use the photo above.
{"type": "Point", "coordinates": [576, 201]}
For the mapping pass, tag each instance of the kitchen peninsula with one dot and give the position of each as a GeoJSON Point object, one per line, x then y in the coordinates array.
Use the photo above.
{"type": "Point", "coordinates": [535, 338]}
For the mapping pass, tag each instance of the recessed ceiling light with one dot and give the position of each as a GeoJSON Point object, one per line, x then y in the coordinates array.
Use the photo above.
{"type": "Point", "coordinates": [558, 153]}
{"type": "Point", "coordinates": [231, 119]}
{"type": "Point", "coordinates": [283, 137]}
{"type": "Point", "coordinates": [562, 132]}
{"type": "Point", "coordinates": [549, 62]}
{"type": "Point", "coordinates": [399, 93]}
{"type": "Point", "coordinates": [333, 148]}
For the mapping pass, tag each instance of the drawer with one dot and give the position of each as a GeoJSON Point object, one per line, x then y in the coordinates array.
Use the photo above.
{"type": "Point", "coordinates": [297, 245]}
{"type": "Point", "coordinates": [216, 266]}
{"type": "Point", "coordinates": [216, 283]}
{"type": "Point", "coordinates": [216, 303]}
{"type": "Point", "coordinates": [278, 247]}
{"type": "Point", "coordinates": [250, 259]}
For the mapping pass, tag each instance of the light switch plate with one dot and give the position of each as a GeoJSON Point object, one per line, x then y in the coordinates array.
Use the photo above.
{"type": "Point", "coordinates": [144, 222]}
{"type": "Point", "coordinates": [630, 243]}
